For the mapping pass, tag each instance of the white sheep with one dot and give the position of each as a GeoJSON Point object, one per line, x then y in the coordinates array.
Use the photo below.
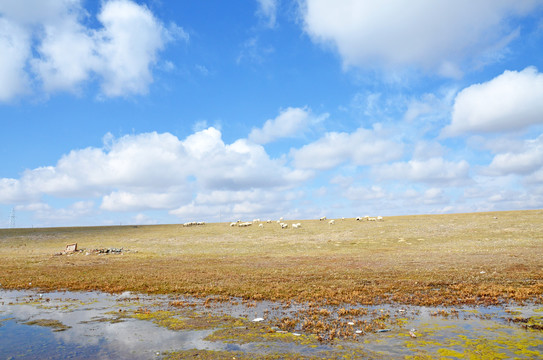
{"type": "Point", "coordinates": [268, 221]}
{"type": "Point", "coordinates": [358, 218]}
{"type": "Point", "coordinates": [281, 219]}
{"type": "Point", "coordinates": [372, 219]}
{"type": "Point", "coordinates": [332, 222]}
{"type": "Point", "coordinates": [256, 220]}
{"type": "Point", "coordinates": [284, 226]}
{"type": "Point", "coordinates": [260, 225]}
{"type": "Point", "coordinates": [379, 218]}
{"type": "Point", "coordinates": [322, 218]}
{"type": "Point", "coordinates": [233, 224]}
{"type": "Point", "coordinates": [244, 224]}
{"type": "Point", "coordinates": [297, 225]}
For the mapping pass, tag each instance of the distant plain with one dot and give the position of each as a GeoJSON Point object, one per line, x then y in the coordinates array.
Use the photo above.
{"type": "Point", "coordinates": [476, 258]}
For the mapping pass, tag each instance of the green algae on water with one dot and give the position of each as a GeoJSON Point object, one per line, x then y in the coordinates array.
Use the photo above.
{"type": "Point", "coordinates": [54, 324]}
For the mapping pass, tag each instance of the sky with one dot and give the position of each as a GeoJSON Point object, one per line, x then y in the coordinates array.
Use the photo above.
{"type": "Point", "coordinates": [157, 112]}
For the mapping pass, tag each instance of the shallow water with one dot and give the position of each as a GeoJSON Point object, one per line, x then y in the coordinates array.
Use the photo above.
{"type": "Point", "coordinates": [92, 325]}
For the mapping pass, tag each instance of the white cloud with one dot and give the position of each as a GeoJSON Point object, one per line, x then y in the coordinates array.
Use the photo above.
{"type": "Point", "coordinates": [362, 147]}
{"type": "Point", "coordinates": [135, 201]}
{"type": "Point", "coordinates": [128, 45]}
{"type": "Point", "coordinates": [267, 9]}
{"type": "Point", "coordinates": [511, 101]}
{"type": "Point", "coordinates": [253, 51]}
{"type": "Point", "coordinates": [290, 123]}
{"type": "Point", "coordinates": [425, 150]}
{"type": "Point", "coordinates": [38, 11]}
{"type": "Point", "coordinates": [433, 171]}
{"type": "Point", "coordinates": [433, 196]}
{"type": "Point", "coordinates": [15, 49]}
{"type": "Point", "coordinates": [423, 33]}
{"type": "Point", "coordinates": [522, 161]}
{"type": "Point", "coordinates": [43, 211]}
{"type": "Point", "coordinates": [229, 205]}
{"type": "Point", "coordinates": [68, 54]}
{"type": "Point", "coordinates": [142, 219]}
{"type": "Point", "coordinates": [154, 171]}
{"type": "Point", "coordinates": [66, 48]}
{"type": "Point", "coordinates": [363, 193]}
{"type": "Point", "coordinates": [430, 107]}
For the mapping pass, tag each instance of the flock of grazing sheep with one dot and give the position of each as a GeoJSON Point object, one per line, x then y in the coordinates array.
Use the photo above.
{"type": "Point", "coordinates": [192, 223]}
{"type": "Point", "coordinates": [297, 225]}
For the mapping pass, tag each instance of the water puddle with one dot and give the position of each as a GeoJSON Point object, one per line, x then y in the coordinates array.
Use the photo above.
{"type": "Point", "coordinates": [90, 325]}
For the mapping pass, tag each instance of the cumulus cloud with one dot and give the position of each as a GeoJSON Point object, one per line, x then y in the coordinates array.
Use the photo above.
{"type": "Point", "coordinates": [521, 161]}
{"type": "Point", "coordinates": [232, 205]}
{"type": "Point", "coordinates": [128, 44]}
{"type": "Point", "coordinates": [68, 54]}
{"type": "Point", "coordinates": [433, 171]}
{"type": "Point", "coordinates": [135, 201]}
{"type": "Point", "coordinates": [290, 123]}
{"type": "Point", "coordinates": [430, 107]}
{"type": "Point", "coordinates": [362, 147]}
{"type": "Point", "coordinates": [362, 193]}
{"type": "Point", "coordinates": [154, 171]}
{"type": "Point", "coordinates": [46, 212]}
{"type": "Point", "coordinates": [15, 49]}
{"type": "Point", "coordinates": [511, 101]}
{"type": "Point", "coordinates": [423, 33]}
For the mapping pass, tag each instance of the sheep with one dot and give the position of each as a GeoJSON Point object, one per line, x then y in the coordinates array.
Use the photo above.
{"type": "Point", "coordinates": [284, 226]}
{"type": "Point", "coordinates": [268, 221]}
{"type": "Point", "coordinates": [332, 222]}
{"type": "Point", "coordinates": [358, 218]}
{"type": "Point", "coordinates": [256, 220]}
{"type": "Point", "coordinates": [281, 219]}
{"type": "Point", "coordinates": [233, 224]}
{"type": "Point", "coordinates": [372, 219]}
{"type": "Point", "coordinates": [322, 218]}
{"type": "Point", "coordinates": [379, 218]}
{"type": "Point", "coordinates": [244, 224]}
{"type": "Point", "coordinates": [260, 225]}
{"type": "Point", "coordinates": [297, 225]}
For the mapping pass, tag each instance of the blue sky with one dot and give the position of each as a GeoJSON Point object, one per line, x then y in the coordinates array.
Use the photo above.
{"type": "Point", "coordinates": [147, 112]}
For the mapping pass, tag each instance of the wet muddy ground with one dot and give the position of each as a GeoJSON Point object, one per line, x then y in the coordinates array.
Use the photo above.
{"type": "Point", "coordinates": [90, 325]}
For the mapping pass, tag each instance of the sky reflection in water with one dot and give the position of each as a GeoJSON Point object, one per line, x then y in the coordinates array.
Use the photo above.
{"type": "Point", "coordinates": [92, 332]}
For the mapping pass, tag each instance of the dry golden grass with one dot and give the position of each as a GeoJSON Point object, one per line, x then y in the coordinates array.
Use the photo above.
{"type": "Point", "coordinates": [481, 258]}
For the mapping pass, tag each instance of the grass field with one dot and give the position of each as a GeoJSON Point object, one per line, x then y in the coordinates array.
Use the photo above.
{"type": "Point", "coordinates": [480, 258]}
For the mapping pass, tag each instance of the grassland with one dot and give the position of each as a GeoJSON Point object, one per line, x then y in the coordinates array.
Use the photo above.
{"type": "Point", "coordinates": [481, 258]}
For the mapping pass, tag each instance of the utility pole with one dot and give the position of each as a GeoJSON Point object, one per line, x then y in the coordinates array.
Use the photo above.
{"type": "Point", "coordinates": [12, 219]}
